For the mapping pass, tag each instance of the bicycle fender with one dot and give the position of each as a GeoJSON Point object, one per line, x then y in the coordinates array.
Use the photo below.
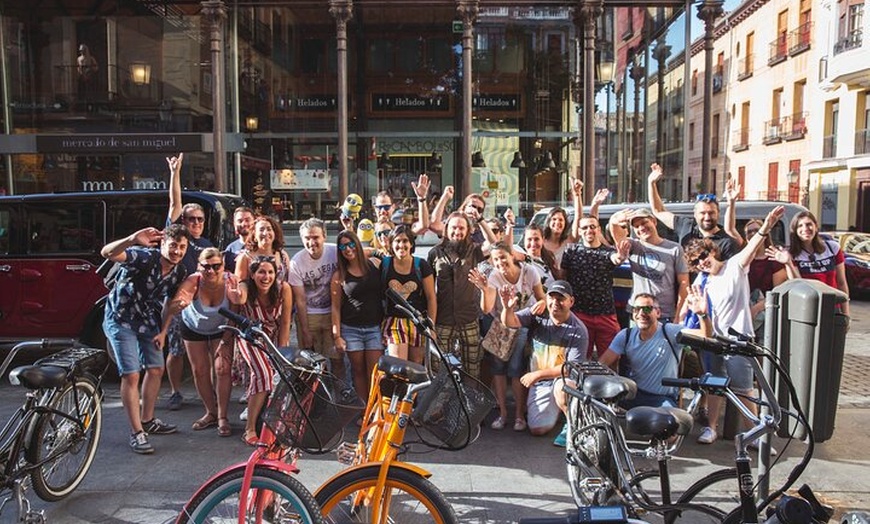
{"type": "Point", "coordinates": [413, 468]}
{"type": "Point", "coordinates": [270, 464]}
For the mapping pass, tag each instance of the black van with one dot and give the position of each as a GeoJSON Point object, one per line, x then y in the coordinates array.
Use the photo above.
{"type": "Point", "coordinates": [50, 248]}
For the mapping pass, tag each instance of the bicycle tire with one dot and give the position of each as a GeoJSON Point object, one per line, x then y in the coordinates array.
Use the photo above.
{"type": "Point", "coordinates": [54, 434]}
{"type": "Point", "coordinates": [413, 499]}
{"type": "Point", "coordinates": [594, 446]}
{"type": "Point", "coordinates": [719, 505]}
{"type": "Point", "coordinates": [219, 500]}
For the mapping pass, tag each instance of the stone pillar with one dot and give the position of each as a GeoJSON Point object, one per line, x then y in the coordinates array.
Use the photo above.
{"type": "Point", "coordinates": [467, 11]}
{"type": "Point", "coordinates": [342, 11]}
{"type": "Point", "coordinates": [637, 73]}
{"type": "Point", "coordinates": [586, 15]}
{"type": "Point", "coordinates": [708, 11]}
{"type": "Point", "coordinates": [661, 53]}
{"type": "Point", "coordinates": [215, 13]}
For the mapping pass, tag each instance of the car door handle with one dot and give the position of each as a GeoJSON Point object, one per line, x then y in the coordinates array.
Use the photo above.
{"type": "Point", "coordinates": [78, 267]}
{"type": "Point", "coordinates": [5, 269]}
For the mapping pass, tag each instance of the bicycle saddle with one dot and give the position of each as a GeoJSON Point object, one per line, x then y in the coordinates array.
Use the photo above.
{"type": "Point", "coordinates": [402, 369]}
{"type": "Point", "coordinates": [660, 423]}
{"type": "Point", "coordinates": [37, 377]}
{"type": "Point", "coordinates": [609, 387]}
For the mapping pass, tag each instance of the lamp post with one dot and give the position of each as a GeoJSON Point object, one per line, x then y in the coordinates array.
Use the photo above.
{"type": "Point", "coordinates": [586, 17]}
{"type": "Point", "coordinates": [661, 53]}
{"type": "Point", "coordinates": [342, 11]}
{"type": "Point", "coordinates": [215, 12]}
{"type": "Point", "coordinates": [637, 73]}
{"type": "Point", "coordinates": [708, 11]}
{"type": "Point", "coordinates": [467, 10]}
{"type": "Point", "coordinates": [605, 69]}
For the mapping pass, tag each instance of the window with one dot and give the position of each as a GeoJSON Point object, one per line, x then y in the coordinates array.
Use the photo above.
{"type": "Point", "coordinates": [772, 181]}
{"type": "Point", "coordinates": [714, 137]}
{"type": "Point", "coordinates": [850, 24]}
{"type": "Point", "coordinates": [691, 136]}
{"type": "Point", "coordinates": [5, 220]}
{"type": "Point", "coordinates": [62, 229]}
{"type": "Point", "coordinates": [498, 51]}
{"type": "Point", "coordinates": [832, 117]}
{"type": "Point", "coordinates": [694, 82]}
{"type": "Point", "coordinates": [775, 104]}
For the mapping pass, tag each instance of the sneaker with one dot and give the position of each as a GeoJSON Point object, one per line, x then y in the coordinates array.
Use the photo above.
{"type": "Point", "coordinates": [755, 444]}
{"type": "Point", "coordinates": [243, 399]}
{"type": "Point", "coordinates": [708, 436]}
{"type": "Point", "coordinates": [139, 443]}
{"type": "Point", "coordinates": [703, 417]}
{"type": "Point", "coordinates": [156, 426]}
{"type": "Point", "coordinates": [520, 424]}
{"type": "Point", "coordinates": [175, 401]}
{"type": "Point", "coordinates": [561, 439]}
{"type": "Point", "coordinates": [243, 416]}
{"type": "Point", "coordinates": [498, 423]}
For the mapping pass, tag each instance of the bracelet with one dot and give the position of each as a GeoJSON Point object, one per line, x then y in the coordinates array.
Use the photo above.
{"type": "Point", "coordinates": [701, 315]}
{"type": "Point", "coordinates": [421, 200]}
{"type": "Point", "coordinates": [764, 234]}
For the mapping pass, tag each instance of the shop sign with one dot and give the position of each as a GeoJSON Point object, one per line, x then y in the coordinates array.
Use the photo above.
{"type": "Point", "coordinates": [326, 103]}
{"type": "Point", "coordinates": [118, 143]}
{"type": "Point", "coordinates": [496, 102]}
{"type": "Point", "coordinates": [300, 180]}
{"type": "Point", "coordinates": [396, 103]}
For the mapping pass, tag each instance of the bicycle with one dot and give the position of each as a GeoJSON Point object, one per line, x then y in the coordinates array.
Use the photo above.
{"type": "Point", "coordinates": [304, 413]}
{"type": "Point", "coordinates": [378, 487]}
{"type": "Point", "coordinates": [599, 457]}
{"type": "Point", "coordinates": [51, 440]}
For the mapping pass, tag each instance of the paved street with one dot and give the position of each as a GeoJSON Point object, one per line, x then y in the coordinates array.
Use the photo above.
{"type": "Point", "coordinates": [498, 479]}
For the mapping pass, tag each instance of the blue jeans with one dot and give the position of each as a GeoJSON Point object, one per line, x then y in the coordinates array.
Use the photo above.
{"type": "Point", "coordinates": [644, 398]}
{"type": "Point", "coordinates": [133, 351]}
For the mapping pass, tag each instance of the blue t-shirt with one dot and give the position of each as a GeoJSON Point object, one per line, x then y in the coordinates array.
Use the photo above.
{"type": "Point", "coordinates": [136, 301]}
{"type": "Point", "coordinates": [649, 361]}
{"type": "Point", "coordinates": [553, 344]}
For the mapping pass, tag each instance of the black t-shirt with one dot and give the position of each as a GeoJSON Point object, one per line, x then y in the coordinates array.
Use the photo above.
{"type": "Point", "coordinates": [686, 229]}
{"type": "Point", "coordinates": [361, 304]}
{"type": "Point", "coordinates": [589, 270]}
{"type": "Point", "coordinates": [410, 286]}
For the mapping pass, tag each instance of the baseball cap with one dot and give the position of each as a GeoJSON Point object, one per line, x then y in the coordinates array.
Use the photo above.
{"type": "Point", "coordinates": [561, 287]}
{"type": "Point", "coordinates": [641, 213]}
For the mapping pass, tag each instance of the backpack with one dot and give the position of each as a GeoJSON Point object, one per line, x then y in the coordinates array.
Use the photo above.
{"type": "Point", "coordinates": [687, 367]}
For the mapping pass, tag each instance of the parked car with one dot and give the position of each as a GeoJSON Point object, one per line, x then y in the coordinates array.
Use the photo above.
{"type": "Point", "coordinates": [856, 249]}
{"type": "Point", "coordinates": [746, 210]}
{"type": "Point", "coordinates": [50, 247]}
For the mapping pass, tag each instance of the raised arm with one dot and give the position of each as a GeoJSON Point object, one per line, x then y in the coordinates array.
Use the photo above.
{"type": "Point", "coordinates": [436, 219]}
{"type": "Point", "coordinates": [507, 295]}
{"type": "Point", "coordinates": [175, 204]}
{"type": "Point", "coordinates": [577, 199]}
{"type": "Point", "coordinates": [732, 193]}
{"type": "Point", "coordinates": [487, 292]}
{"type": "Point", "coordinates": [747, 254]}
{"type": "Point", "coordinates": [619, 224]}
{"type": "Point", "coordinates": [116, 251]}
{"type": "Point", "coordinates": [421, 189]}
{"type": "Point", "coordinates": [655, 201]}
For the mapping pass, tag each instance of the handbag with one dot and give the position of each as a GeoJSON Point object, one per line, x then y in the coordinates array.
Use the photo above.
{"type": "Point", "coordinates": [499, 340]}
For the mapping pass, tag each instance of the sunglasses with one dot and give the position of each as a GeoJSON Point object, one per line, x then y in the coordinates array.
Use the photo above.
{"type": "Point", "coordinates": [383, 232]}
{"type": "Point", "coordinates": [590, 226]}
{"type": "Point", "coordinates": [496, 230]}
{"type": "Point", "coordinates": [643, 309]}
{"type": "Point", "coordinates": [478, 208]}
{"type": "Point", "coordinates": [706, 197]}
{"type": "Point", "coordinates": [346, 246]}
{"type": "Point", "coordinates": [265, 258]}
{"type": "Point", "coordinates": [700, 258]}
{"type": "Point", "coordinates": [213, 267]}
{"type": "Point", "coordinates": [197, 219]}
{"type": "Point", "coordinates": [384, 207]}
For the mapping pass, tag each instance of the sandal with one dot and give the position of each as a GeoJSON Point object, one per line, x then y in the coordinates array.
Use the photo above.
{"type": "Point", "coordinates": [250, 438]}
{"type": "Point", "coordinates": [206, 421]}
{"type": "Point", "coordinates": [224, 429]}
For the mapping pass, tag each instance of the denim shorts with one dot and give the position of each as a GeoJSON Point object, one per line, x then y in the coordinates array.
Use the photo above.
{"type": "Point", "coordinates": [133, 351]}
{"type": "Point", "coordinates": [360, 338]}
{"type": "Point", "coordinates": [736, 367]}
{"type": "Point", "coordinates": [516, 366]}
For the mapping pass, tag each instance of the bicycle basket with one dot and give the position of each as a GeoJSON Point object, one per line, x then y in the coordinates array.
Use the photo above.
{"type": "Point", "coordinates": [310, 412]}
{"type": "Point", "coordinates": [438, 409]}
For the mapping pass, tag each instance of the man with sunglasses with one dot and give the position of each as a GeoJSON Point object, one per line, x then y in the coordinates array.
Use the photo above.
{"type": "Point", "coordinates": [192, 216]}
{"type": "Point", "coordinates": [385, 209]}
{"type": "Point", "coordinates": [704, 224]}
{"type": "Point", "coordinates": [472, 207]}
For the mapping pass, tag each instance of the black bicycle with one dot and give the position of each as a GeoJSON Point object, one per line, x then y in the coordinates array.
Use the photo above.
{"type": "Point", "coordinates": [51, 440]}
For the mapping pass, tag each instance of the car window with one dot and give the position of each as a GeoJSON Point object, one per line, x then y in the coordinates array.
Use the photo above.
{"type": "Point", "coordinates": [63, 228]}
{"type": "Point", "coordinates": [5, 219]}
{"type": "Point", "coordinates": [129, 215]}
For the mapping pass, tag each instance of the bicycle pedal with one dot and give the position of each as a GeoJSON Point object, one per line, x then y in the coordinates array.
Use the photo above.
{"type": "Point", "coordinates": [34, 517]}
{"type": "Point", "coordinates": [346, 453]}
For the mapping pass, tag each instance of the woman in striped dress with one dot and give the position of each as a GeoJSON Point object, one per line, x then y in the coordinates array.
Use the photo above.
{"type": "Point", "coordinates": [265, 298]}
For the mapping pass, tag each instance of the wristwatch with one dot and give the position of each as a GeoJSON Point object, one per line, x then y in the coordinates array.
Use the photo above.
{"type": "Point", "coordinates": [701, 315]}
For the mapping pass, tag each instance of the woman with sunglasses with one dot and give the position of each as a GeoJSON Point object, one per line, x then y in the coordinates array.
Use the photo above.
{"type": "Point", "coordinates": [265, 239]}
{"type": "Point", "coordinates": [357, 309]}
{"type": "Point", "coordinates": [381, 242]}
{"type": "Point", "coordinates": [264, 298]}
{"type": "Point", "coordinates": [525, 280]}
{"type": "Point", "coordinates": [209, 349]}
{"type": "Point", "coordinates": [726, 286]}
{"type": "Point", "coordinates": [413, 278]}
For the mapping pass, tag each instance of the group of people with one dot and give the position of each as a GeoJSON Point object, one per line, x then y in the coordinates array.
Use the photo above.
{"type": "Point", "coordinates": [553, 295]}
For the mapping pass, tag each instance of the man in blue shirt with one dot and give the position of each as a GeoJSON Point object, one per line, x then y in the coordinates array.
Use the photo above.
{"type": "Point", "coordinates": [148, 276]}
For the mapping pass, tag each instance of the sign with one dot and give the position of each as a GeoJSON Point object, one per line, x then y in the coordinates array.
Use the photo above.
{"type": "Point", "coordinates": [118, 143]}
{"type": "Point", "coordinates": [325, 103]}
{"type": "Point", "coordinates": [300, 179]}
{"type": "Point", "coordinates": [397, 103]}
{"type": "Point", "coordinates": [496, 102]}
{"type": "Point", "coordinates": [457, 27]}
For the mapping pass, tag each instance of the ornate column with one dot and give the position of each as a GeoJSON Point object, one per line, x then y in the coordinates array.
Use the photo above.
{"type": "Point", "coordinates": [661, 53]}
{"type": "Point", "coordinates": [637, 73]}
{"type": "Point", "coordinates": [586, 15]}
{"type": "Point", "coordinates": [467, 10]}
{"type": "Point", "coordinates": [342, 11]}
{"type": "Point", "coordinates": [214, 11]}
{"type": "Point", "coordinates": [708, 11]}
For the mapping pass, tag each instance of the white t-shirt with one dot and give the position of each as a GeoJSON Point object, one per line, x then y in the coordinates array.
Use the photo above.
{"type": "Point", "coordinates": [315, 276]}
{"type": "Point", "coordinates": [729, 296]}
{"type": "Point", "coordinates": [525, 286]}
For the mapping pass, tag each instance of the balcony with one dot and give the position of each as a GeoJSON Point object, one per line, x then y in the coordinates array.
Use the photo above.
{"type": "Point", "coordinates": [772, 129]}
{"type": "Point", "coordinates": [794, 127]}
{"type": "Point", "coordinates": [741, 140]}
{"type": "Point", "coordinates": [745, 67]}
{"type": "Point", "coordinates": [829, 146]}
{"type": "Point", "coordinates": [862, 142]}
{"type": "Point", "coordinates": [848, 42]}
{"type": "Point", "coordinates": [778, 50]}
{"type": "Point", "coordinates": [799, 39]}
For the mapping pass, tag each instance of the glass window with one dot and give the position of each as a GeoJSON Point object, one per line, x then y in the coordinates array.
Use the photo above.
{"type": "Point", "coordinates": [313, 55]}
{"type": "Point", "coordinates": [409, 55]}
{"type": "Point", "coordinates": [62, 229]}
{"type": "Point", "coordinates": [5, 220]}
{"type": "Point", "coordinates": [380, 57]}
{"type": "Point", "coordinates": [439, 55]}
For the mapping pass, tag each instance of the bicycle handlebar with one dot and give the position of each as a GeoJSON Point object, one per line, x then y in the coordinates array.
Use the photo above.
{"type": "Point", "coordinates": [718, 344]}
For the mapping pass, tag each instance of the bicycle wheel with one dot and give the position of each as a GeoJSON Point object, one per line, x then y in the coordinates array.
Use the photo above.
{"type": "Point", "coordinates": [717, 493]}
{"type": "Point", "coordinates": [409, 498]}
{"type": "Point", "coordinates": [66, 448]}
{"type": "Point", "coordinates": [591, 470]}
{"type": "Point", "coordinates": [274, 497]}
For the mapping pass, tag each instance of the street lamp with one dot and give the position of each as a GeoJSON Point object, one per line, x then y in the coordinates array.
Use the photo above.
{"type": "Point", "coordinates": [605, 71]}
